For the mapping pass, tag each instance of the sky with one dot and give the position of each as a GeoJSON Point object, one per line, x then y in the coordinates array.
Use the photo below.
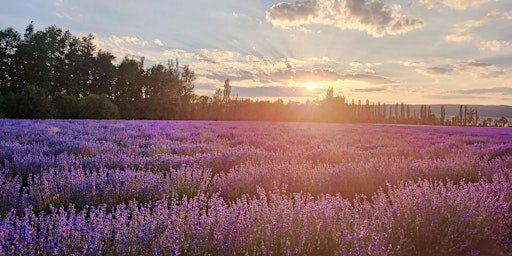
{"type": "Point", "coordinates": [387, 51]}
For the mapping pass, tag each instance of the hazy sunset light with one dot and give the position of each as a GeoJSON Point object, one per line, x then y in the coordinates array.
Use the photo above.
{"type": "Point", "coordinates": [419, 51]}
{"type": "Point", "coordinates": [311, 86]}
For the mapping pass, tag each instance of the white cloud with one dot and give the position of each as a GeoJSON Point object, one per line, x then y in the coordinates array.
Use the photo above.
{"type": "Point", "coordinates": [412, 63]}
{"type": "Point", "coordinates": [371, 16]}
{"type": "Point", "coordinates": [454, 4]}
{"type": "Point", "coordinates": [369, 70]}
{"type": "Point", "coordinates": [466, 31]}
{"type": "Point", "coordinates": [158, 42]}
{"type": "Point", "coordinates": [124, 46]}
{"type": "Point", "coordinates": [494, 45]}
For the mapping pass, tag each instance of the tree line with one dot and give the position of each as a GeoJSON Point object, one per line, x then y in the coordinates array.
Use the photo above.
{"type": "Point", "coordinates": [54, 74]}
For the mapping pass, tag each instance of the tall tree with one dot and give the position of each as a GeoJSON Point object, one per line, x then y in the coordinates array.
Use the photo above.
{"type": "Point", "coordinates": [128, 87]}
{"type": "Point", "coordinates": [103, 74]}
{"type": "Point", "coordinates": [9, 41]}
{"type": "Point", "coordinates": [227, 91]}
{"type": "Point", "coordinates": [75, 72]}
{"type": "Point", "coordinates": [460, 115]}
{"type": "Point", "coordinates": [443, 114]}
{"type": "Point", "coordinates": [187, 88]}
{"type": "Point", "coordinates": [465, 115]}
{"type": "Point", "coordinates": [402, 111]}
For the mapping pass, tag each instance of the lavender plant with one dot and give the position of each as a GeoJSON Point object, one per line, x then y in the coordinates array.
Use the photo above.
{"type": "Point", "coordinates": [88, 187]}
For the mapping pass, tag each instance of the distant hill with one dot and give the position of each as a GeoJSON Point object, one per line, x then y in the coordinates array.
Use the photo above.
{"type": "Point", "coordinates": [484, 111]}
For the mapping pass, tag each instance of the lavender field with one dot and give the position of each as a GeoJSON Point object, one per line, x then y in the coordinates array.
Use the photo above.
{"type": "Point", "coordinates": [253, 188]}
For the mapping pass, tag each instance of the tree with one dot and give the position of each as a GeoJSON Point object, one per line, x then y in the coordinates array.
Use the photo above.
{"type": "Point", "coordinates": [227, 92]}
{"type": "Point", "coordinates": [66, 106]}
{"type": "Point", "coordinates": [75, 74]}
{"type": "Point", "coordinates": [396, 111]}
{"type": "Point", "coordinates": [187, 87]}
{"type": "Point", "coordinates": [32, 102]}
{"type": "Point", "coordinates": [443, 114]}
{"type": "Point", "coordinates": [476, 116]}
{"type": "Point", "coordinates": [103, 74]}
{"type": "Point", "coordinates": [97, 107]}
{"type": "Point", "coordinates": [161, 86]}
{"type": "Point", "coordinates": [128, 87]}
{"type": "Point", "coordinates": [502, 122]}
{"type": "Point", "coordinates": [402, 111]}
{"type": "Point", "coordinates": [465, 115]}
{"type": "Point", "coordinates": [329, 94]}
{"type": "Point", "coordinates": [9, 41]}
{"type": "Point", "coordinates": [470, 116]}
{"type": "Point", "coordinates": [460, 115]}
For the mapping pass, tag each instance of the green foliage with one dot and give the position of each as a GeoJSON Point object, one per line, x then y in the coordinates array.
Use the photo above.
{"type": "Point", "coordinates": [9, 106]}
{"type": "Point", "coordinates": [32, 102]}
{"type": "Point", "coordinates": [1, 110]}
{"type": "Point", "coordinates": [97, 107]}
{"type": "Point", "coordinates": [66, 106]}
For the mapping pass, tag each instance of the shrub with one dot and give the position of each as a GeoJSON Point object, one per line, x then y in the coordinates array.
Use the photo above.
{"type": "Point", "coordinates": [97, 107]}
{"type": "Point", "coordinates": [66, 106]}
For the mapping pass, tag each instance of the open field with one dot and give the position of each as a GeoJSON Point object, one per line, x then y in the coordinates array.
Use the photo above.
{"type": "Point", "coordinates": [253, 188]}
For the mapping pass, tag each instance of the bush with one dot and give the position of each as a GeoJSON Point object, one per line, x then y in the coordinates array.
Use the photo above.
{"type": "Point", "coordinates": [32, 102]}
{"type": "Point", "coordinates": [97, 106]}
{"type": "Point", "coordinates": [66, 106]}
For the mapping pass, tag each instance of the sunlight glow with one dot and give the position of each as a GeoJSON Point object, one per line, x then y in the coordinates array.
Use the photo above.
{"type": "Point", "coordinates": [311, 86]}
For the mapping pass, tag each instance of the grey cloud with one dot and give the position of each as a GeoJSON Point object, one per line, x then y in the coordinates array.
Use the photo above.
{"type": "Point", "coordinates": [233, 75]}
{"type": "Point", "coordinates": [435, 71]}
{"type": "Point", "coordinates": [479, 70]}
{"type": "Point", "coordinates": [471, 68]}
{"type": "Point", "coordinates": [371, 89]}
{"type": "Point", "coordinates": [296, 13]}
{"type": "Point", "coordinates": [456, 96]}
{"type": "Point", "coordinates": [374, 17]}
{"type": "Point", "coordinates": [501, 90]}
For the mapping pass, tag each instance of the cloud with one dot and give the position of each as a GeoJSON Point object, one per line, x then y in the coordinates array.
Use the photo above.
{"type": "Point", "coordinates": [412, 63]}
{"type": "Point", "coordinates": [123, 46]}
{"type": "Point", "coordinates": [470, 68]}
{"type": "Point", "coordinates": [371, 89]}
{"type": "Point", "coordinates": [290, 15]}
{"type": "Point", "coordinates": [466, 31]}
{"type": "Point", "coordinates": [454, 4]}
{"type": "Point", "coordinates": [158, 42]}
{"type": "Point", "coordinates": [434, 72]}
{"type": "Point", "coordinates": [368, 78]}
{"type": "Point", "coordinates": [284, 76]}
{"type": "Point", "coordinates": [217, 56]}
{"type": "Point", "coordinates": [275, 91]}
{"type": "Point", "coordinates": [478, 70]}
{"type": "Point", "coordinates": [371, 16]}
{"type": "Point", "coordinates": [324, 75]}
{"type": "Point", "coordinates": [493, 90]}
{"type": "Point", "coordinates": [129, 40]}
{"type": "Point", "coordinates": [494, 45]}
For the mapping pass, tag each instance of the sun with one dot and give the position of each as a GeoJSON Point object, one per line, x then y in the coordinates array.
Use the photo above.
{"type": "Point", "coordinates": [311, 85]}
